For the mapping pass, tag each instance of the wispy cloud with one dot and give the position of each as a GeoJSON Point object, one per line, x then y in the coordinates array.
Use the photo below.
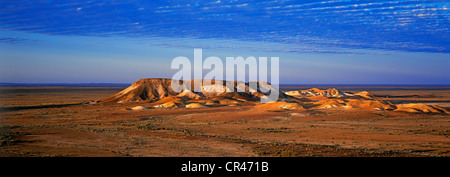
{"type": "Point", "coordinates": [321, 26]}
{"type": "Point", "coordinates": [16, 40]}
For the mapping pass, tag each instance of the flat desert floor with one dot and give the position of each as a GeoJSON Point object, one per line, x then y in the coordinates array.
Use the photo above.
{"type": "Point", "coordinates": [49, 121]}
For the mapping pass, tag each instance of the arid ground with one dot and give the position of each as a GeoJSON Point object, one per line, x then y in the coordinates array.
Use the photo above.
{"type": "Point", "coordinates": [50, 121]}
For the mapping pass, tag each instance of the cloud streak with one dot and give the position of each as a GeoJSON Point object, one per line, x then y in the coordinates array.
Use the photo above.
{"type": "Point", "coordinates": [305, 26]}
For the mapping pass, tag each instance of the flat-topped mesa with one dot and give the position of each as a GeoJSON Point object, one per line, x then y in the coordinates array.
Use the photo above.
{"type": "Point", "coordinates": [328, 93]}
{"type": "Point", "coordinates": [364, 94]}
{"type": "Point", "coordinates": [317, 92]}
{"type": "Point", "coordinates": [142, 90]}
{"type": "Point", "coordinates": [154, 89]}
{"type": "Point", "coordinates": [418, 107]}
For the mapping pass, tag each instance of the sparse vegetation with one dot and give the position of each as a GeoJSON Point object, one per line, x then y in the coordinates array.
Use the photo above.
{"type": "Point", "coordinates": [7, 136]}
{"type": "Point", "coordinates": [243, 130]}
{"type": "Point", "coordinates": [270, 130]}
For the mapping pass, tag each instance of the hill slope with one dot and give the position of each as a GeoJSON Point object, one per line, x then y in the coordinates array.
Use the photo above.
{"type": "Point", "coordinates": [154, 89]}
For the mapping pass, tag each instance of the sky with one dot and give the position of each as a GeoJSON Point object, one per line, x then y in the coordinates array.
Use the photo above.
{"type": "Point", "coordinates": [317, 42]}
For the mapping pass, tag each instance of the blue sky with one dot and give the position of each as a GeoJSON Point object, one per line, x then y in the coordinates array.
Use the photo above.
{"type": "Point", "coordinates": [318, 42]}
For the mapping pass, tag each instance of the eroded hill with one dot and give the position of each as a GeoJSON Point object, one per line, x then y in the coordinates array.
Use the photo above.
{"type": "Point", "coordinates": [158, 93]}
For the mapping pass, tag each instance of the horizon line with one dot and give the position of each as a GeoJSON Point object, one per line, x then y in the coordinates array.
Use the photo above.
{"type": "Point", "coordinates": [124, 83]}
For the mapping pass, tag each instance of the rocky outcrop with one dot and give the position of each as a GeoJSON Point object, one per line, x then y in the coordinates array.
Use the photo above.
{"type": "Point", "coordinates": [151, 90]}
{"type": "Point", "coordinates": [333, 93]}
{"type": "Point", "coordinates": [420, 108]}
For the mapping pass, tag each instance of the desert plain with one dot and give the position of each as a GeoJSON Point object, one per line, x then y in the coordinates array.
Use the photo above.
{"type": "Point", "coordinates": [54, 121]}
